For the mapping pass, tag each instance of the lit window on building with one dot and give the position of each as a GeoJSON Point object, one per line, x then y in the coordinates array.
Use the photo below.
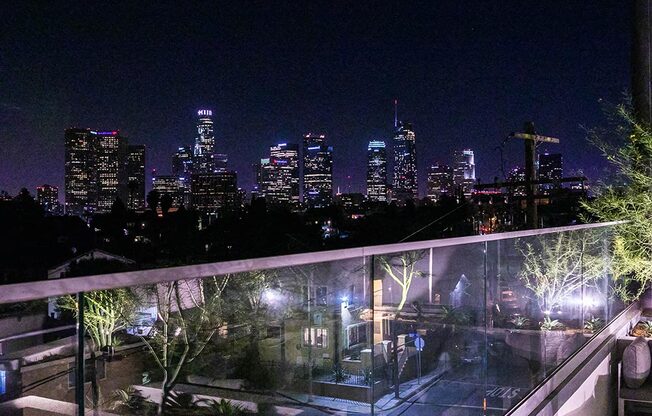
{"type": "Point", "coordinates": [316, 337]}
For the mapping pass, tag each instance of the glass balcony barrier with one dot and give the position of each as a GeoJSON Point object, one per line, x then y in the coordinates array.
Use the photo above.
{"type": "Point", "coordinates": [464, 326]}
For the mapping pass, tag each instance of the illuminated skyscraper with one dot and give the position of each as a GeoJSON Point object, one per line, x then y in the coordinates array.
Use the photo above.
{"type": "Point", "coordinates": [517, 174]}
{"type": "Point", "coordinates": [285, 158]}
{"type": "Point", "coordinates": [215, 194]}
{"type": "Point", "coordinates": [111, 169]}
{"type": "Point", "coordinates": [169, 185]}
{"type": "Point", "coordinates": [277, 177]}
{"type": "Point", "coordinates": [97, 170]}
{"type": "Point", "coordinates": [464, 171]}
{"type": "Point", "coordinates": [317, 171]}
{"type": "Point", "coordinates": [48, 197]}
{"type": "Point", "coordinates": [203, 152]}
{"type": "Point", "coordinates": [440, 181]}
{"type": "Point", "coordinates": [405, 163]}
{"type": "Point", "coordinates": [182, 162]}
{"type": "Point", "coordinates": [550, 168]}
{"type": "Point", "coordinates": [80, 172]}
{"type": "Point", "coordinates": [376, 171]}
{"type": "Point", "coordinates": [136, 177]}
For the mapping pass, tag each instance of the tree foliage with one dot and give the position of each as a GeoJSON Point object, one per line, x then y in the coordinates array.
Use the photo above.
{"type": "Point", "coordinates": [189, 314]}
{"type": "Point", "coordinates": [556, 266]}
{"type": "Point", "coordinates": [105, 313]}
{"type": "Point", "coordinates": [402, 269]}
{"type": "Point", "coordinates": [627, 144]}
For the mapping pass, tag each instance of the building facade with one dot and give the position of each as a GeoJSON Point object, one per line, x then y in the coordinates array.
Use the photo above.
{"type": "Point", "coordinates": [169, 185]}
{"type": "Point", "coordinates": [317, 171]}
{"type": "Point", "coordinates": [182, 162]}
{"type": "Point", "coordinates": [215, 194]}
{"type": "Point", "coordinates": [284, 157]}
{"type": "Point", "coordinates": [405, 183]}
{"type": "Point", "coordinates": [464, 171]}
{"type": "Point", "coordinates": [80, 172]}
{"type": "Point", "coordinates": [377, 171]}
{"type": "Point", "coordinates": [203, 152]}
{"type": "Point", "coordinates": [440, 181]}
{"type": "Point", "coordinates": [111, 169]}
{"type": "Point", "coordinates": [136, 177]}
{"type": "Point", "coordinates": [47, 197]}
{"type": "Point", "coordinates": [550, 169]}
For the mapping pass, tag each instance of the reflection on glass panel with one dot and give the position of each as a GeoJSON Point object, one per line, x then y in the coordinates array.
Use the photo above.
{"type": "Point", "coordinates": [429, 311]}
{"type": "Point", "coordinates": [37, 359]}
{"type": "Point", "coordinates": [279, 341]}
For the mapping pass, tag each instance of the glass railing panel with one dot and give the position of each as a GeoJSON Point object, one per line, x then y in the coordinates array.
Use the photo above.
{"type": "Point", "coordinates": [38, 348]}
{"type": "Point", "coordinates": [279, 341]}
{"type": "Point", "coordinates": [430, 305]}
{"type": "Point", "coordinates": [548, 295]}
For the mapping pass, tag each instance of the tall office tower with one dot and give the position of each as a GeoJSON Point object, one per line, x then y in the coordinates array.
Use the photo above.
{"type": "Point", "coordinates": [47, 197]}
{"type": "Point", "coordinates": [285, 157]}
{"type": "Point", "coordinates": [221, 161]}
{"type": "Point", "coordinates": [440, 181]}
{"type": "Point", "coordinates": [377, 171]}
{"type": "Point", "coordinates": [215, 194]}
{"type": "Point", "coordinates": [550, 168]}
{"type": "Point", "coordinates": [111, 169]}
{"type": "Point", "coordinates": [80, 172]}
{"type": "Point", "coordinates": [405, 184]}
{"type": "Point", "coordinates": [317, 171]}
{"type": "Point", "coordinates": [170, 185]}
{"type": "Point", "coordinates": [182, 162]}
{"type": "Point", "coordinates": [136, 177]}
{"type": "Point", "coordinates": [464, 171]}
{"type": "Point", "coordinates": [517, 175]}
{"type": "Point", "coordinates": [203, 157]}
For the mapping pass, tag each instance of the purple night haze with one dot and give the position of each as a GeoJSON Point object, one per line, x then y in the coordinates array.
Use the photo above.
{"type": "Point", "coordinates": [466, 74]}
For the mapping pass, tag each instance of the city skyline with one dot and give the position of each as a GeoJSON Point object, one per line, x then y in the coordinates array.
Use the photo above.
{"type": "Point", "coordinates": [459, 85]}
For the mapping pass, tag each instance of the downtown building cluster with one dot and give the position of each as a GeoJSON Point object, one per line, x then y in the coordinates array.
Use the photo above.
{"type": "Point", "coordinates": [100, 169]}
{"type": "Point", "coordinates": [200, 176]}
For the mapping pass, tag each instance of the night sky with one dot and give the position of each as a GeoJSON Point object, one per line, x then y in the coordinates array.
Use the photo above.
{"type": "Point", "coordinates": [466, 74]}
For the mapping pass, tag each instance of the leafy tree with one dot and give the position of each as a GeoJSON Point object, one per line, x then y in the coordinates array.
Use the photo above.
{"type": "Point", "coordinates": [105, 313]}
{"type": "Point", "coordinates": [627, 145]}
{"type": "Point", "coordinates": [189, 314]}
{"type": "Point", "coordinates": [556, 266]}
{"type": "Point", "coordinates": [402, 269]}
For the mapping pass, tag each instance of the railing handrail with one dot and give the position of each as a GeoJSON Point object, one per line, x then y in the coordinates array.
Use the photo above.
{"type": "Point", "coordinates": [21, 292]}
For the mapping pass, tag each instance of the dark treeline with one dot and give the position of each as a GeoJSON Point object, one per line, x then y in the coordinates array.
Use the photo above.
{"type": "Point", "coordinates": [33, 242]}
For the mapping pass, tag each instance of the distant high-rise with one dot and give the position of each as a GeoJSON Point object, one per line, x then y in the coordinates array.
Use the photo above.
{"type": "Point", "coordinates": [111, 169]}
{"type": "Point", "coordinates": [215, 194]}
{"type": "Point", "coordinates": [203, 152]}
{"type": "Point", "coordinates": [96, 172]}
{"type": "Point", "coordinates": [405, 184]}
{"type": "Point", "coordinates": [80, 172]}
{"type": "Point", "coordinates": [317, 171]}
{"type": "Point", "coordinates": [136, 177]}
{"type": "Point", "coordinates": [440, 181]}
{"type": "Point", "coordinates": [285, 157]}
{"type": "Point", "coordinates": [464, 171]}
{"type": "Point", "coordinates": [48, 197]}
{"type": "Point", "coordinates": [169, 185]}
{"type": "Point", "coordinates": [550, 168]}
{"type": "Point", "coordinates": [182, 162]}
{"type": "Point", "coordinates": [377, 171]}
{"type": "Point", "coordinates": [517, 174]}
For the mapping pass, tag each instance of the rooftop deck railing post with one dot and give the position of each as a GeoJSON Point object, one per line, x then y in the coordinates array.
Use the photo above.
{"type": "Point", "coordinates": [79, 357]}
